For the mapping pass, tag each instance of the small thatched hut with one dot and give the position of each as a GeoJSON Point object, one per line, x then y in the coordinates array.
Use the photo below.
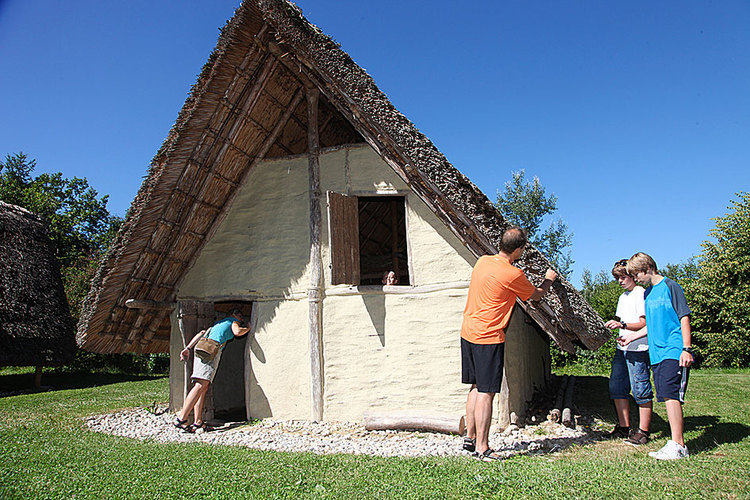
{"type": "Point", "coordinates": [287, 186]}
{"type": "Point", "coordinates": [36, 328]}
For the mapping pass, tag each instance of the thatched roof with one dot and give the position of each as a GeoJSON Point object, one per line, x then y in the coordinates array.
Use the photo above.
{"type": "Point", "coordinates": [35, 323]}
{"type": "Point", "coordinates": [247, 105]}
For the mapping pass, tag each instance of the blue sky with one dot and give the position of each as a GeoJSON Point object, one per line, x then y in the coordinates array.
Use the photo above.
{"type": "Point", "coordinates": [635, 114]}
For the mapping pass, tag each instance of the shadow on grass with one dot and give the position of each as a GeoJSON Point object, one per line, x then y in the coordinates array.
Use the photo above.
{"type": "Point", "coordinates": [713, 432]}
{"type": "Point", "coordinates": [13, 385]}
{"type": "Point", "coordinates": [592, 398]}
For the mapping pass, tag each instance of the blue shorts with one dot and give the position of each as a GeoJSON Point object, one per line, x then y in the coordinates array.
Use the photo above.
{"type": "Point", "coordinates": [630, 373]}
{"type": "Point", "coordinates": [671, 380]}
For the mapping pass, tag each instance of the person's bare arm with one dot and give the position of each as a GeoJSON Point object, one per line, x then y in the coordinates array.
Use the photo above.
{"type": "Point", "coordinates": [185, 353]}
{"type": "Point", "coordinates": [549, 277]}
{"type": "Point", "coordinates": [686, 359]}
{"type": "Point", "coordinates": [238, 330]}
{"type": "Point", "coordinates": [640, 331]}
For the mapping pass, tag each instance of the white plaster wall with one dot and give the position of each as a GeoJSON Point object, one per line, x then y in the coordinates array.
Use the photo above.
{"type": "Point", "coordinates": [261, 251]}
{"type": "Point", "coordinates": [391, 352]}
{"type": "Point", "coordinates": [387, 351]}
{"type": "Point", "coordinates": [527, 366]}
{"type": "Point", "coordinates": [280, 361]}
{"type": "Point", "coordinates": [263, 243]}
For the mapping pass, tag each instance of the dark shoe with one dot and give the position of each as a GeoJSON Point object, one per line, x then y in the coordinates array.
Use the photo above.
{"type": "Point", "coordinates": [203, 426]}
{"type": "Point", "coordinates": [618, 433]}
{"type": "Point", "coordinates": [638, 438]}
{"type": "Point", "coordinates": [182, 425]}
{"type": "Point", "coordinates": [488, 455]}
{"type": "Point", "coordinates": [470, 444]}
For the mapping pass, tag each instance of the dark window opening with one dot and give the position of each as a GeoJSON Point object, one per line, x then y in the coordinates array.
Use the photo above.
{"type": "Point", "coordinates": [368, 239]}
{"type": "Point", "coordinates": [382, 239]}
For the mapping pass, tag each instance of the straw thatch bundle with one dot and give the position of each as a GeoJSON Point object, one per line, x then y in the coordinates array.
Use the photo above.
{"type": "Point", "coordinates": [35, 324]}
{"type": "Point", "coordinates": [248, 105]}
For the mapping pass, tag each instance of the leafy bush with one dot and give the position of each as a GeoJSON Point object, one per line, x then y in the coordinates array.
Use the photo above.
{"type": "Point", "coordinates": [128, 364]}
{"type": "Point", "coordinates": [719, 292]}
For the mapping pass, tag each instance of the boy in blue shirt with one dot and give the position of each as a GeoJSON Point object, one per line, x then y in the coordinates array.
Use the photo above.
{"type": "Point", "coordinates": [670, 347]}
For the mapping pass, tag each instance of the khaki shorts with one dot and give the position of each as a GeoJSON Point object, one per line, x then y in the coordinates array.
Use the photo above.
{"type": "Point", "coordinates": [203, 370]}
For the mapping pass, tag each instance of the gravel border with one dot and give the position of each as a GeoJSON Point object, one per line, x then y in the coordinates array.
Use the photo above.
{"type": "Point", "coordinates": [338, 437]}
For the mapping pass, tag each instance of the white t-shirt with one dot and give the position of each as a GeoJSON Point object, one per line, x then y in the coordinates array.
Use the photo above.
{"type": "Point", "coordinates": [630, 308]}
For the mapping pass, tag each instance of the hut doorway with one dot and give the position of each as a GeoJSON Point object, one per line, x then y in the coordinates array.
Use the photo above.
{"type": "Point", "coordinates": [228, 388]}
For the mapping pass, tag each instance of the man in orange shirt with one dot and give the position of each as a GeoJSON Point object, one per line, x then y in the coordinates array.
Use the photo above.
{"type": "Point", "coordinates": [495, 286]}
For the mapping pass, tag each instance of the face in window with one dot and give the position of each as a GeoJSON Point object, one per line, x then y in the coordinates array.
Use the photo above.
{"type": "Point", "coordinates": [390, 278]}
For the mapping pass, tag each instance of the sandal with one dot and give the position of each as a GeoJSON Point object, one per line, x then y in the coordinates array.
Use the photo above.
{"type": "Point", "coordinates": [182, 425]}
{"type": "Point", "coordinates": [202, 426]}
{"type": "Point", "coordinates": [470, 444]}
{"type": "Point", "coordinates": [487, 455]}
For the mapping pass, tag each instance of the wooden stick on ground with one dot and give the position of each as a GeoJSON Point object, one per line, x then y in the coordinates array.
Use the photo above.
{"type": "Point", "coordinates": [403, 420]}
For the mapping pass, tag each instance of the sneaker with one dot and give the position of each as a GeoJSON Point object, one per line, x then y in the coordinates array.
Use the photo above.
{"type": "Point", "coordinates": [670, 451]}
{"type": "Point", "coordinates": [618, 433]}
{"type": "Point", "coordinates": [638, 438]}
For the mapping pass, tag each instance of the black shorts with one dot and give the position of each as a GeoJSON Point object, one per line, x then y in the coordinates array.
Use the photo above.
{"type": "Point", "coordinates": [482, 364]}
{"type": "Point", "coordinates": [670, 380]}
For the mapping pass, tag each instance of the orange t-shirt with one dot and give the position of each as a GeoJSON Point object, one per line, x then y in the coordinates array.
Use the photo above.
{"type": "Point", "coordinates": [495, 284]}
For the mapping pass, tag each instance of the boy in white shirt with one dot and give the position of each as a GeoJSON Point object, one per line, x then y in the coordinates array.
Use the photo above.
{"type": "Point", "coordinates": [630, 365]}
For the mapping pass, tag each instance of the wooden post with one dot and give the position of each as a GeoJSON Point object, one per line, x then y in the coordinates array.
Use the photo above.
{"type": "Point", "coordinates": [192, 317]}
{"type": "Point", "coordinates": [315, 292]}
{"type": "Point", "coordinates": [253, 324]}
{"type": "Point", "coordinates": [38, 376]}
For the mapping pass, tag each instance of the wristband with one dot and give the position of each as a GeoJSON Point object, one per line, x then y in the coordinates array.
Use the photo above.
{"type": "Point", "coordinates": [624, 325]}
{"type": "Point", "coordinates": [688, 349]}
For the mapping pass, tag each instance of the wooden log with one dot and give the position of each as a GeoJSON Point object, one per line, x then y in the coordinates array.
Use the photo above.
{"type": "Point", "coordinates": [403, 420]}
{"type": "Point", "coordinates": [556, 413]}
{"type": "Point", "coordinates": [568, 417]}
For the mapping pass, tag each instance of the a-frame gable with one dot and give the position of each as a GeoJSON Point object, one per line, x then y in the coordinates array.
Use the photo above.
{"type": "Point", "coordinates": [247, 106]}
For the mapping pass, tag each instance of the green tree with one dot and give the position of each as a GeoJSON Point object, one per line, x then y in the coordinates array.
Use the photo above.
{"type": "Point", "coordinates": [602, 292]}
{"type": "Point", "coordinates": [720, 293]}
{"type": "Point", "coordinates": [80, 226]}
{"type": "Point", "coordinates": [526, 204]}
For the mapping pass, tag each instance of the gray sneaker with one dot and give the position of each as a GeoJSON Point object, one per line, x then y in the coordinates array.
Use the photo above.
{"type": "Point", "coordinates": [670, 451]}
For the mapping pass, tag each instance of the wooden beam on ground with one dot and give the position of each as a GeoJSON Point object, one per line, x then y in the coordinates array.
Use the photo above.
{"type": "Point", "coordinates": [403, 420]}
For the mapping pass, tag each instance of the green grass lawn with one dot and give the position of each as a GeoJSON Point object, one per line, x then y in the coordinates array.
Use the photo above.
{"type": "Point", "coordinates": [47, 453]}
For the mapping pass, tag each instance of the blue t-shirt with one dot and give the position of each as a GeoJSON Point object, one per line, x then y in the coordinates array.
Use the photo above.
{"type": "Point", "coordinates": [665, 306]}
{"type": "Point", "coordinates": [221, 331]}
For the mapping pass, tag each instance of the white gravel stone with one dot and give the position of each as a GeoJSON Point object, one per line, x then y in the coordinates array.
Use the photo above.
{"type": "Point", "coordinates": [335, 437]}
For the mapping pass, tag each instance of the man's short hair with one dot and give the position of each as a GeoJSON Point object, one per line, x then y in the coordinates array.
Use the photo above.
{"type": "Point", "coordinates": [513, 238]}
{"type": "Point", "coordinates": [641, 262]}
{"type": "Point", "coordinates": [236, 312]}
{"type": "Point", "coordinates": [620, 269]}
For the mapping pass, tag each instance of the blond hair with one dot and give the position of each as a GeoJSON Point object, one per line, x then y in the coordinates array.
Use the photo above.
{"type": "Point", "coordinates": [641, 262]}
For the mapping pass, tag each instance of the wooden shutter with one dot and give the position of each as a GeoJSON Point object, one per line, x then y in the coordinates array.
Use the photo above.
{"type": "Point", "coordinates": [343, 216]}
